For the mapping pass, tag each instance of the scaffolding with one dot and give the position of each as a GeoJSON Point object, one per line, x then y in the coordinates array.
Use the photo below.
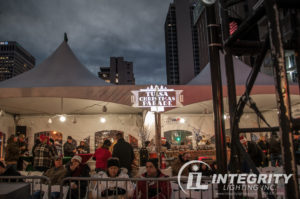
{"type": "Point", "coordinates": [234, 43]}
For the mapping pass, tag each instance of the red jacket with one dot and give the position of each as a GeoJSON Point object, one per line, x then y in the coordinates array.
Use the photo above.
{"type": "Point", "coordinates": [102, 155]}
{"type": "Point", "coordinates": [164, 189]}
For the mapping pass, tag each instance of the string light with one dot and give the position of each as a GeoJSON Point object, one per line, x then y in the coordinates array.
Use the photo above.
{"type": "Point", "coordinates": [102, 120]}
{"type": "Point", "coordinates": [62, 118]}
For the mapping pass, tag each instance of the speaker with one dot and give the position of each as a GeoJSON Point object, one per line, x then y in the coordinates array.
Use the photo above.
{"type": "Point", "coordinates": [20, 130]}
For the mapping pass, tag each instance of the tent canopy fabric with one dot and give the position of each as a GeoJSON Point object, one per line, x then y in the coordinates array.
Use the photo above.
{"type": "Point", "coordinates": [241, 71]}
{"type": "Point", "coordinates": [62, 68]}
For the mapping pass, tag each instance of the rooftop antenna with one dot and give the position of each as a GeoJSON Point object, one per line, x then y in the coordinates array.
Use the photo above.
{"type": "Point", "coordinates": [65, 37]}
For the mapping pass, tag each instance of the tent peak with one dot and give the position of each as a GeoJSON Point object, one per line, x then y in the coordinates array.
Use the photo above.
{"type": "Point", "coordinates": [65, 37]}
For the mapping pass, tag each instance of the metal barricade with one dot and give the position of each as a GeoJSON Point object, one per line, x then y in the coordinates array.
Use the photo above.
{"type": "Point", "coordinates": [34, 181]}
{"type": "Point", "coordinates": [97, 187]}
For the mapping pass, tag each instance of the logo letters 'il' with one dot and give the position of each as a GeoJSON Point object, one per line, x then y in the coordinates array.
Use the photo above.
{"type": "Point", "coordinates": [198, 182]}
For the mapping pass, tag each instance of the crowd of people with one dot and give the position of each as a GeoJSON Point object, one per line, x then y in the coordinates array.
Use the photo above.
{"type": "Point", "coordinates": [118, 163]}
{"type": "Point", "coordinates": [263, 151]}
{"type": "Point", "coordinates": [115, 164]}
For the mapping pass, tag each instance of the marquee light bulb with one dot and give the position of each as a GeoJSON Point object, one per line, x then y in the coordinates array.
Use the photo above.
{"type": "Point", "coordinates": [50, 121]}
{"type": "Point", "coordinates": [182, 120]}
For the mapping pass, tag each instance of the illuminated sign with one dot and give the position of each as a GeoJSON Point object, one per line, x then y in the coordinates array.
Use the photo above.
{"type": "Point", "coordinates": [157, 98]}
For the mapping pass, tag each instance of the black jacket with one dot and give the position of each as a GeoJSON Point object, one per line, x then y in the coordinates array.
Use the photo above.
{"type": "Point", "coordinates": [82, 171]}
{"type": "Point", "coordinates": [124, 151]}
{"type": "Point", "coordinates": [68, 149]}
{"type": "Point", "coordinates": [10, 171]}
{"type": "Point", "coordinates": [255, 153]}
{"type": "Point", "coordinates": [275, 147]}
{"type": "Point", "coordinates": [263, 145]}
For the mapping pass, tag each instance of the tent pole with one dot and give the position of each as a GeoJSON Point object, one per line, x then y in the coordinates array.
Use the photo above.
{"type": "Point", "coordinates": [158, 134]}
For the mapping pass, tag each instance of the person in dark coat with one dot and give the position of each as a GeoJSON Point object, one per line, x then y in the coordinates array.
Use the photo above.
{"type": "Point", "coordinates": [165, 143]}
{"type": "Point", "coordinates": [124, 151]}
{"type": "Point", "coordinates": [83, 148]}
{"type": "Point", "coordinates": [8, 171]}
{"type": "Point", "coordinates": [69, 148]}
{"type": "Point", "coordinates": [52, 146]}
{"type": "Point", "coordinates": [22, 144]}
{"type": "Point", "coordinates": [214, 168]}
{"type": "Point", "coordinates": [205, 170]}
{"type": "Point", "coordinates": [76, 169]}
{"type": "Point", "coordinates": [275, 150]}
{"type": "Point", "coordinates": [264, 146]}
{"type": "Point", "coordinates": [12, 151]}
{"type": "Point", "coordinates": [144, 154]}
{"type": "Point", "coordinates": [254, 152]}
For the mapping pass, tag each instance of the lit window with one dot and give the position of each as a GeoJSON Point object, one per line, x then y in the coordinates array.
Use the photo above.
{"type": "Point", "coordinates": [108, 81]}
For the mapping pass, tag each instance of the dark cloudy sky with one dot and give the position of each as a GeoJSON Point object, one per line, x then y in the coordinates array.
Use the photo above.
{"type": "Point", "coordinates": [97, 29]}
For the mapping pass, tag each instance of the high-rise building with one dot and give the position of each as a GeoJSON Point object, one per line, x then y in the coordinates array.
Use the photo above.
{"type": "Point", "coordinates": [14, 60]}
{"type": "Point", "coordinates": [119, 72]}
{"type": "Point", "coordinates": [182, 51]}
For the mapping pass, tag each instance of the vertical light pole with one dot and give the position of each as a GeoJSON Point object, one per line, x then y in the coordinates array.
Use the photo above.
{"type": "Point", "coordinates": [216, 81]}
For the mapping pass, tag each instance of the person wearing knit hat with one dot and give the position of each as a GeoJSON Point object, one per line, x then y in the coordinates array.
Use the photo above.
{"type": "Point", "coordinates": [77, 169]}
{"type": "Point", "coordinates": [162, 189]}
{"type": "Point", "coordinates": [113, 167]}
{"type": "Point", "coordinates": [109, 189]}
{"type": "Point", "coordinates": [77, 158]}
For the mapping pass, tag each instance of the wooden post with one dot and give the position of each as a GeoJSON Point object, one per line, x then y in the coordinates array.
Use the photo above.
{"type": "Point", "coordinates": [158, 134]}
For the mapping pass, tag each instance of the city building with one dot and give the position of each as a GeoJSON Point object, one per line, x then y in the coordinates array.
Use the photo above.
{"type": "Point", "coordinates": [181, 42]}
{"type": "Point", "coordinates": [119, 72]}
{"type": "Point", "coordinates": [14, 60]}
